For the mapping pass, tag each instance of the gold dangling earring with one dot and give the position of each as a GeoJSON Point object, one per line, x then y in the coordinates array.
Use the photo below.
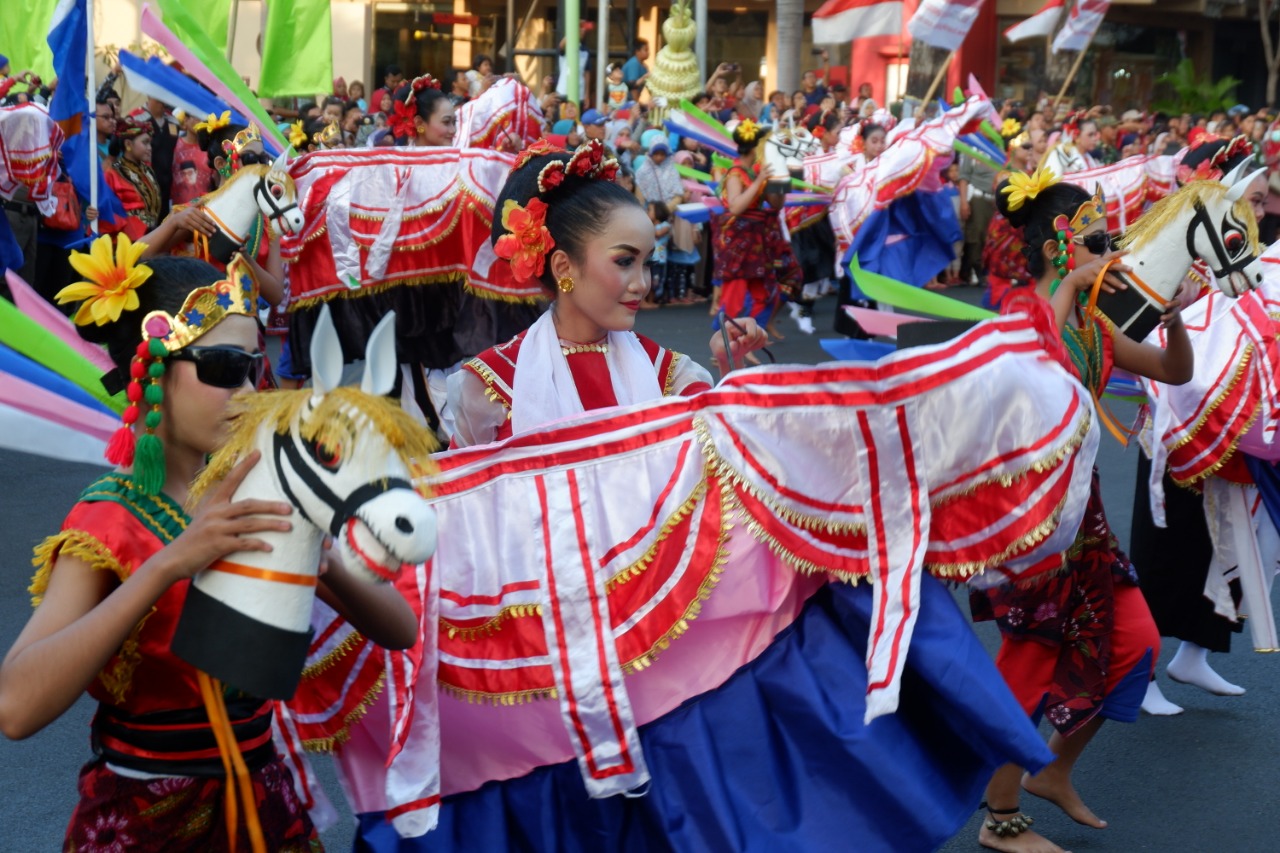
{"type": "Point", "coordinates": [565, 284]}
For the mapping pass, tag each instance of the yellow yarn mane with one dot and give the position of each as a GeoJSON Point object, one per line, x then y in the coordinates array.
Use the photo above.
{"type": "Point", "coordinates": [1173, 206]}
{"type": "Point", "coordinates": [257, 169]}
{"type": "Point", "coordinates": [333, 425]}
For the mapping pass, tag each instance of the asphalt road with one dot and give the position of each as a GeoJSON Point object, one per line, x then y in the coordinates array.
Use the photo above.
{"type": "Point", "coordinates": [1202, 781]}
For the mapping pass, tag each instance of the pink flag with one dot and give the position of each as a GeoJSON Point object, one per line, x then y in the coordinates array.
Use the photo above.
{"type": "Point", "coordinates": [1039, 25]}
{"type": "Point", "coordinates": [944, 23]}
{"type": "Point", "coordinates": [1085, 18]}
{"type": "Point", "coordinates": [840, 21]}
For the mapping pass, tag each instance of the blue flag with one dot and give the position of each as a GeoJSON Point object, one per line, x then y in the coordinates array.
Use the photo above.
{"type": "Point", "coordinates": [69, 41]}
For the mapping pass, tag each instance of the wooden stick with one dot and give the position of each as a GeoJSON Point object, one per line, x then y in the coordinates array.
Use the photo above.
{"type": "Point", "coordinates": [937, 80]}
{"type": "Point", "coordinates": [1070, 76]}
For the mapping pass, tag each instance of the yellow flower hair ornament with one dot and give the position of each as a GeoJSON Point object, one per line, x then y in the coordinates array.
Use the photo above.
{"type": "Point", "coordinates": [297, 136]}
{"type": "Point", "coordinates": [213, 122]}
{"type": "Point", "coordinates": [1023, 188]}
{"type": "Point", "coordinates": [747, 130]}
{"type": "Point", "coordinates": [1010, 128]}
{"type": "Point", "coordinates": [110, 281]}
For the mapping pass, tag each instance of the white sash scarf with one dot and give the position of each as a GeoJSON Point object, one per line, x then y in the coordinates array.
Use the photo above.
{"type": "Point", "coordinates": [543, 390]}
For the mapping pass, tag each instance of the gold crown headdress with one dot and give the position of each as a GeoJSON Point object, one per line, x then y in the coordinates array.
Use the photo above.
{"type": "Point", "coordinates": [329, 137]}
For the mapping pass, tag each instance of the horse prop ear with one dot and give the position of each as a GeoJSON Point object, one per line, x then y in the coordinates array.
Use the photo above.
{"type": "Point", "coordinates": [380, 358]}
{"type": "Point", "coordinates": [1238, 182]}
{"type": "Point", "coordinates": [326, 355]}
{"type": "Point", "coordinates": [281, 163]}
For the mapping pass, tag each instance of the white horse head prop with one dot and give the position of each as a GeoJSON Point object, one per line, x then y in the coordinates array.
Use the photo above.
{"type": "Point", "coordinates": [787, 146]}
{"type": "Point", "coordinates": [255, 190]}
{"type": "Point", "coordinates": [1204, 219]}
{"type": "Point", "coordinates": [344, 458]}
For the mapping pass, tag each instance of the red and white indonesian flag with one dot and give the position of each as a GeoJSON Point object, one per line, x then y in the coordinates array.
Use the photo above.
{"type": "Point", "coordinates": [839, 21]}
{"type": "Point", "coordinates": [1085, 18]}
{"type": "Point", "coordinates": [944, 23]}
{"type": "Point", "coordinates": [1039, 25]}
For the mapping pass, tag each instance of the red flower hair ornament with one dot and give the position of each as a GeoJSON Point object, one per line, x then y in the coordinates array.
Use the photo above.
{"type": "Point", "coordinates": [589, 162]}
{"type": "Point", "coordinates": [537, 149]}
{"type": "Point", "coordinates": [426, 81]}
{"type": "Point", "coordinates": [401, 120]}
{"type": "Point", "coordinates": [1215, 167]}
{"type": "Point", "coordinates": [527, 241]}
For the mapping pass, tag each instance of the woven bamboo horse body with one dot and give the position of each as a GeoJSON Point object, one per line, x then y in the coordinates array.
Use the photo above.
{"type": "Point", "coordinates": [342, 457]}
{"type": "Point", "coordinates": [254, 190]}
{"type": "Point", "coordinates": [1204, 219]}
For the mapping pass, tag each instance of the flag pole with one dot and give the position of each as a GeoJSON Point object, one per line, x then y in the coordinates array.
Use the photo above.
{"type": "Point", "coordinates": [91, 76]}
{"type": "Point", "coordinates": [937, 80]}
{"type": "Point", "coordinates": [1071, 75]}
{"type": "Point", "coordinates": [231, 28]}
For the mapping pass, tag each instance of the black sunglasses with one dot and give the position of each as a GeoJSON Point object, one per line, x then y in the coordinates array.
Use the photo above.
{"type": "Point", "coordinates": [224, 367]}
{"type": "Point", "coordinates": [1099, 242]}
{"type": "Point", "coordinates": [253, 158]}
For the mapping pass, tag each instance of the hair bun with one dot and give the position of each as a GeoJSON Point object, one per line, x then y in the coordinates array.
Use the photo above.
{"type": "Point", "coordinates": [1017, 218]}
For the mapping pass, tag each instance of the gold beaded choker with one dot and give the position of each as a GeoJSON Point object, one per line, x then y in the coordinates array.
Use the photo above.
{"type": "Point", "coordinates": [580, 348]}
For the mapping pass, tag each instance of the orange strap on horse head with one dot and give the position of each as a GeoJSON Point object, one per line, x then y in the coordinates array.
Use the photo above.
{"type": "Point", "coordinates": [1120, 433]}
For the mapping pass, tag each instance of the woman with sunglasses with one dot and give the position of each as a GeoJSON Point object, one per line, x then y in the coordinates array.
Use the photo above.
{"type": "Point", "coordinates": [589, 242]}
{"type": "Point", "coordinates": [1174, 561]}
{"type": "Point", "coordinates": [1077, 642]}
{"type": "Point", "coordinates": [111, 583]}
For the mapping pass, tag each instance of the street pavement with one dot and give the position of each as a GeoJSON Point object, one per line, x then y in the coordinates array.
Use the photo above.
{"type": "Point", "coordinates": [1202, 781]}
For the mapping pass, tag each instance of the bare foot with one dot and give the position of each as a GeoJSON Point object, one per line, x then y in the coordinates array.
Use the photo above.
{"type": "Point", "coordinates": [1052, 785]}
{"type": "Point", "coordinates": [1029, 841]}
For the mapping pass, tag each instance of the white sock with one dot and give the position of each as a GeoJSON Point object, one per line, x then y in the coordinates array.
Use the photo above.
{"type": "Point", "coordinates": [1156, 705]}
{"type": "Point", "coordinates": [805, 324]}
{"type": "Point", "coordinates": [1191, 666]}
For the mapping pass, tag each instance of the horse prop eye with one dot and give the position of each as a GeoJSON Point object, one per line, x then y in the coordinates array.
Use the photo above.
{"type": "Point", "coordinates": [277, 190]}
{"type": "Point", "coordinates": [330, 458]}
{"type": "Point", "coordinates": [1233, 241]}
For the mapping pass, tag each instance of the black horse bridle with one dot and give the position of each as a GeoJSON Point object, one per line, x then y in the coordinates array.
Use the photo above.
{"type": "Point", "coordinates": [261, 195]}
{"type": "Point", "coordinates": [1201, 219]}
{"type": "Point", "coordinates": [284, 446]}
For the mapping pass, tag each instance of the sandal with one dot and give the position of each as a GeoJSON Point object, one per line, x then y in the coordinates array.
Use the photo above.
{"type": "Point", "coordinates": [1010, 827]}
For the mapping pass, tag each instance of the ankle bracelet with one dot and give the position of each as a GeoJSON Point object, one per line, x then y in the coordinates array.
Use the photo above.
{"type": "Point", "coordinates": [1009, 827]}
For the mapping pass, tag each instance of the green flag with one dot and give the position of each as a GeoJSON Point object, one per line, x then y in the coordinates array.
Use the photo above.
{"type": "Point", "coordinates": [297, 49]}
{"type": "Point", "coordinates": [214, 18]}
{"type": "Point", "coordinates": [23, 34]}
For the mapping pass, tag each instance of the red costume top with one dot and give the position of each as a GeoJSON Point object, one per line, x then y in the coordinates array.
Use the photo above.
{"type": "Point", "coordinates": [484, 407]}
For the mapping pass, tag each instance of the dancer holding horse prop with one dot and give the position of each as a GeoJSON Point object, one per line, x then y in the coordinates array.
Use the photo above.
{"type": "Point", "coordinates": [182, 758]}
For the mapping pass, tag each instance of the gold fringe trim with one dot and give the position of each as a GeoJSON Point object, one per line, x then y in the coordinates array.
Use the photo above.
{"type": "Point", "coordinates": [490, 379]}
{"type": "Point", "coordinates": [412, 281]}
{"type": "Point", "coordinates": [332, 423]}
{"type": "Point", "coordinates": [674, 520]}
{"type": "Point", "coordinates": [343, 734]}
{"type": "Point", "coordinates": [490, 626]}
{"type": "Point", "coordinates": [1039, 466]}
{"type": "Point", "coordinates": [1194, 483]}
{"type": "Point", "coordinates": [161, 502]}
{"type": "Point", "coordinates": [116, 677]}
{"type": "Point", "coordinates": [1028, 541]}
{"type": "Point", "coordinates": [335, 654]}
{"type": "Point", "coordinates": [720, 468]}
{"type": "Point", "coordinates": [74, 543]}
{"type": "Point", "coordinates": [694, 609]}
{"type": "Point", "coordinates": [519, 697]}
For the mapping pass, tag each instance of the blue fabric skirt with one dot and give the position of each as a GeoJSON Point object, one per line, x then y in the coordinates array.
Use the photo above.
{"type": "Point", "coordinates": [778, 757]}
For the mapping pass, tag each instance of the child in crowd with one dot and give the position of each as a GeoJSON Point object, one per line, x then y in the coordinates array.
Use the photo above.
{"type": "Point", "coordinates": [660, 216]}
{"type": "Point", "coordinates": [616, 92]}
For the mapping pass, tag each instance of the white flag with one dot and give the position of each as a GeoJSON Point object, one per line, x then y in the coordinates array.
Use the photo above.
{"type": "Point", "coordinates": [944, 23]}
{"type": "Point", "coordinates": [841, 21]}
{"type": "Point", "coordinates": [1039, 25]}
{"type": "Point", "coordinates": [1082, 23]}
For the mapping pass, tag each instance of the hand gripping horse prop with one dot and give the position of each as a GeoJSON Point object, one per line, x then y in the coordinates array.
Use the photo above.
{"type": "Point", "coordinates": [343, 458]}
{"type": "Point", "coordinates": [253, 191]}
{"type": "Point", "coordinates": [605, 571]}
{"type": "Point", "coordinates": [1204, 219]}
